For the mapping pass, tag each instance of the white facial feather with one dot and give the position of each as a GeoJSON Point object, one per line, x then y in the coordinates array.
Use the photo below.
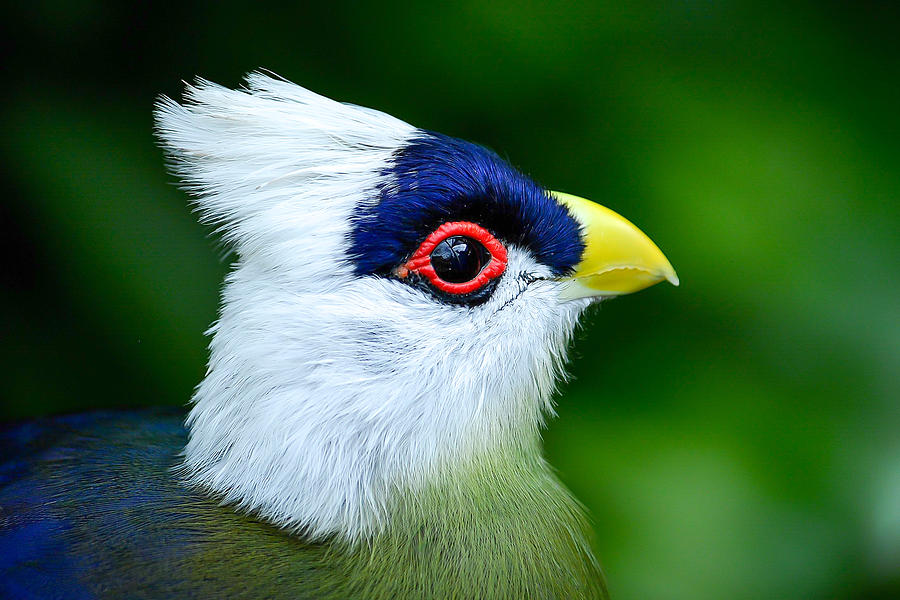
{"type": "Point", "coordinates": [328, 393]}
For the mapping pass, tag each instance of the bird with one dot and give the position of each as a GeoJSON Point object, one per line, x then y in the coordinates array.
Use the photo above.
{"type": "Point", "coordinates": [390, 337]}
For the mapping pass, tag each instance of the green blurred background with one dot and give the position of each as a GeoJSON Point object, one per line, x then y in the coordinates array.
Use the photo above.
{"type": "Point", "coordinates": [737, 437]}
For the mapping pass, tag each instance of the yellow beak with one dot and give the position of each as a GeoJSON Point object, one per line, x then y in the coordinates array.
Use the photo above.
{"type": "Point", "coordinates": [618, 258]}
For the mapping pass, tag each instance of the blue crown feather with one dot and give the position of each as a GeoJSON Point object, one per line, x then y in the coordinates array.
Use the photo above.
{"type": "Point", "coordinates": [436, 179]}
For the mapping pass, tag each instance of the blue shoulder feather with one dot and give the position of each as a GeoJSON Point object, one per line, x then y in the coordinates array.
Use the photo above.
{"type": "Point", "coordinates": [90, 507]}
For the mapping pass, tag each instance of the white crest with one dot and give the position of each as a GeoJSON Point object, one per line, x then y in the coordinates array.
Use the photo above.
{"type": "Point", "coordinates": [329, 393]}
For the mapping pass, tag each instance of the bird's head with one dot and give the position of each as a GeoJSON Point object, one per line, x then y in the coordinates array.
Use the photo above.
{"type": "Point", "coordinates": [401, 301]}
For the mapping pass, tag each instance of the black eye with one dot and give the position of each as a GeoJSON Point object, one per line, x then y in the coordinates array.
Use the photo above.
{"type": "Point", "coordinates": [459, 259]}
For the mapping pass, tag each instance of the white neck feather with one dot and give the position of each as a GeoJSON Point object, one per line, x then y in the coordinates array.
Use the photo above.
{"type": "Point", "coordinates": [319, 407]}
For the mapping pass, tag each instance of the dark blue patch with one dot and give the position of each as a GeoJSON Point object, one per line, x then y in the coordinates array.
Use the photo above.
{"type": "Point", "coordinates": [436, 179]}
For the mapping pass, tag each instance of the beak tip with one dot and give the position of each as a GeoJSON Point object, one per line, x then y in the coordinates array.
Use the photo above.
{"type": "Point", "coordinates": [672, 278]}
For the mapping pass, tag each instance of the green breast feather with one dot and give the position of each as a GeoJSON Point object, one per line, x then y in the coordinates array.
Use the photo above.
{"type": "Point", "coordinates": [501, 527]}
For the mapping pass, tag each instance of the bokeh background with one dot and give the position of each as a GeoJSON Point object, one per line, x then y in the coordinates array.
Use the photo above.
{"type": "Point", "coordinates": [737, 437]}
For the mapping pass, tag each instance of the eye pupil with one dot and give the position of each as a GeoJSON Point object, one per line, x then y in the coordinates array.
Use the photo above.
{"type": "Point", "coordinates": [459, 259]}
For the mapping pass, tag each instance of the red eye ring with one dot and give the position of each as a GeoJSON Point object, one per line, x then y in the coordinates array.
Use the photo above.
{"type": "Point", "coordinates": [420, 261]}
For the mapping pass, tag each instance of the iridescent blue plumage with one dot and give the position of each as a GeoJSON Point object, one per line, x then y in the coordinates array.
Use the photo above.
{"type": "Point", "coordinates": [90, 507]}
